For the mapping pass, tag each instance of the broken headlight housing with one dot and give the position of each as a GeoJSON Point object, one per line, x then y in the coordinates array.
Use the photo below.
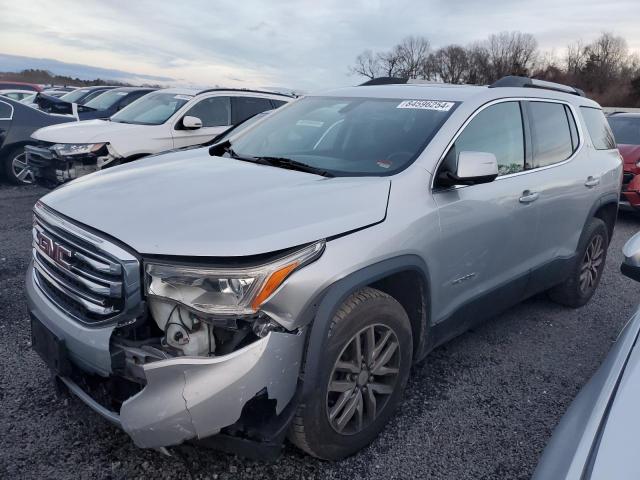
{"type": "Point", "coordinates": [224, 291]}
{"type": "Point", "coordinates": [69, 149]}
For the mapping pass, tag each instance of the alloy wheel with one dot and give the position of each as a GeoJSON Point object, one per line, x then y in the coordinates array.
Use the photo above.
{"type": "Point", "coordinates": [591, 263]}
{"type": "Point", "coordinates": [363, 378]}
{"type": "Point", "coordinates": [21, 169]}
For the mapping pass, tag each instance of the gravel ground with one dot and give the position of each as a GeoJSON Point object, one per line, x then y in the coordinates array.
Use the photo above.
{"type": "Point", "coordinates": [483, 406]}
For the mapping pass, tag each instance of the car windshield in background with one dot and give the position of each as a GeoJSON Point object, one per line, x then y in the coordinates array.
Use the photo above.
{"type": "Point", "coordinates": [106, 100]}
{"type": "Point", "coordinates": [152, 109]}
{"type": "Point", "coordinates": [347, 136]}
{"type": "Point", "coordinates": [625, 129]}
{"type": "Point", "coordinates": [73, 97]}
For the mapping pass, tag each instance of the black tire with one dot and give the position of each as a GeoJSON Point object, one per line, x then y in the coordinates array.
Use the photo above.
{"type": "Point", "coordinates": [368, 310]}
{"type": "Point", "coordinates": [8, 167]}
{"type": "Point", "coordinates": [571, 292]}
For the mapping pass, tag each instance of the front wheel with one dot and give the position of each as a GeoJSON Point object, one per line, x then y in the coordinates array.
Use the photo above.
{"type": "Point", "coordinates": [16, 169]}
{"type": "Point", "coordinates": [587, 270]}
{"type": "Point", "coordinates": [363, 374]}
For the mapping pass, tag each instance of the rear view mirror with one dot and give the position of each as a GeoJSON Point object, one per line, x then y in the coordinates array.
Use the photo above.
{"type": "Point", "coordinates": [191, 123]}
{"type": "Point", "coordinates": [631, 264]}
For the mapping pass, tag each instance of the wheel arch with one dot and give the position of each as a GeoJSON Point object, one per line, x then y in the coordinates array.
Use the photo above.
{"type": "Point", "coordinates": [405, 278]}
{"type": "Point", "coordinates": [607, 211]}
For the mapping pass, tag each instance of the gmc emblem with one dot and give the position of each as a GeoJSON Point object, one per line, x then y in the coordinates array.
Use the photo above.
{"type": "Point", "coordinates": [58, 253]}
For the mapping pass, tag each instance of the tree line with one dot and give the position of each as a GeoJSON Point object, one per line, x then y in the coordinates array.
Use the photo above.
{"type": "Point", "coordinates": [604, 68]}
{"type": "Point", "coordinates": [44, 77]}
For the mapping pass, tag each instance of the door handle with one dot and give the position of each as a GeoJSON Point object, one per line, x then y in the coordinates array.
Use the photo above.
{"type": "Point", "coordinates": [528, 196]}
{"type": "Point", "coordinates": [592, 181]}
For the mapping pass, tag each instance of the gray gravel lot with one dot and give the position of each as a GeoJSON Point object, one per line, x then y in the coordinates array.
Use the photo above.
{"type": "Point", "coordinates": [482, 406]}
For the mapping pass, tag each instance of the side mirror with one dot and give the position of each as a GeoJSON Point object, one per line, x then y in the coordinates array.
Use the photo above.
{"type": "Point", "coordinates": [476, 167]}
{"type": "Point", "coordinates": [191, 123]}
{"type": "Point", "coordinates": [471, 168]}
{"type": "Point", "coordinates": [631, 264]}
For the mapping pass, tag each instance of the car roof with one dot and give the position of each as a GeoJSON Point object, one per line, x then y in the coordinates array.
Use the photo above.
{"type": "Point", "coordinates": [453, 93]}
{"type": "Point", "coordinates": [199, 91]}
{"type": "Point", "coordinates": [134, 89]}
{"type": "Point", "coordinates": [625, 114]}
{"type": "Point", "coordinates": [427, 91]}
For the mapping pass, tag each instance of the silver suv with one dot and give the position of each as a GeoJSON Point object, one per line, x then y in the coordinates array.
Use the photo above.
{"type": "Point", "coordinates": [283, 282]}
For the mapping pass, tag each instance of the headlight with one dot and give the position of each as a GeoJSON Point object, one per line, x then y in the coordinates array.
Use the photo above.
{"type": "Point", "coordinates": [65, 149]}
{"type": "Point", "coordinates": [232, 291]}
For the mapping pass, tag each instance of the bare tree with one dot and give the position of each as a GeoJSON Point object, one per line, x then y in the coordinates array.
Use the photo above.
{"type": "Point", "coordinates": [450, 64]}
{"type": "Point", "coordinates": [605, 60]}
{"type": "Point", "coordinates": [575, 57]}
{"type": "Point", "coordinates": [413, 53]}
{"type": "Point", "coordinates": [390, 62]}
{"type": "Point", "coordinates": [480, 70]}
{"type": "Point", "coordinates": [511, 53]}
{"type": "Point", "coordinates": [367, 65]}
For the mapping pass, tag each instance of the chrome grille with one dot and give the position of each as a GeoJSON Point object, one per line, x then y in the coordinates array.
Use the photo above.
{"type": "Point", "coordinates": [88, 277]}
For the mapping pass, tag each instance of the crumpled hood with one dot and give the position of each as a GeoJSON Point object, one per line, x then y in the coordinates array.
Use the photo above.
{"type": "Point", "coordinates": [630, 153]}
{"type": "Point", "coordinates": [191, 204]}
{"type": "Point", "coordinates": [85, 132]}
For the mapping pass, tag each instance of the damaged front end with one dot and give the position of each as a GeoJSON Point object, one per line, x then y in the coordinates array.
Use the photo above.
{"type": "Point", "coordinates": [169, 352]}
{"type": "Point", "coordinates": [55, 164]}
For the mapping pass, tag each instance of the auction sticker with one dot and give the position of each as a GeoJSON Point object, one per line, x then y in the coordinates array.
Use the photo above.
{"type": "Point", "coordinates": [426, 105]}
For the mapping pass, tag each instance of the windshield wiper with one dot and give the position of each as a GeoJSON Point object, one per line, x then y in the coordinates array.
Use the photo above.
{"type": "Point", "coordinates": [290, 164]}
{"type": "Point", "coordinates": [279, 162]}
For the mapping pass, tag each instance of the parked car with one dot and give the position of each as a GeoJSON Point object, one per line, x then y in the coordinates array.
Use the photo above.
{"type": "Point", "coordinates": [286, 280]}
{"type": "Point", "coordinates": [112, 101]}
{"type": "Point", "coordinates": [16, 95]}
{"type": "Point", "coordinates": [82, 95]}
{"type": "Point", "coordinates": [160, 121]}
{"type": "Point", "coordinates": [597, 437]}
{"type": "Point", "coordinates": [4, 84]}
{"type": "Point", "coordinates": [55, 93]}
{"type": "Point", "coordinates": [626, 129]}
{"type": "Point", "coordinates": [63, 104]}
{"type": "Point", "coordinates": [17, 123]}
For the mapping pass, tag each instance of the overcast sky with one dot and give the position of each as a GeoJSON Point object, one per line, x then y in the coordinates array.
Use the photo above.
{"type": "Point", "coordinates": [299, 44]}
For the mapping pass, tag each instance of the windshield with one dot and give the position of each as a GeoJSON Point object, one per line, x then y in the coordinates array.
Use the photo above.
{"type": "Point", "coordinates": [152, 109]}
{"type": "Point", "coordinates": [106, 100]}
{"type": "Point", "coordinates": [241, 127]}
{"type": "Point", "coordinates": [347, 136]}
{"type": "Point", "coordinates": [73, 97]}
{"type": "Point", "coordinates": [626, 129]}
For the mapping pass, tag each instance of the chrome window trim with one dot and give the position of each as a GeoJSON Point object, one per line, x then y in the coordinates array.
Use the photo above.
{"type": "Point", "coordinates": [10, 117]}
{"type": "Point", "coordinates": [572, 108]}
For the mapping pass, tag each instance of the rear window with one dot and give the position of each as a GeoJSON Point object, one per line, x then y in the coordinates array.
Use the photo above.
{"type": "Point", "coordinates": [598, 128]}
{"type": "Point", "coordinates": [551, 133]}
{"type": "Point", "coordinates": [626, 130]}
{"type": "Point", "coordinates": [246, 107]}
{"type": "Point", "coordinates": [6, 111]}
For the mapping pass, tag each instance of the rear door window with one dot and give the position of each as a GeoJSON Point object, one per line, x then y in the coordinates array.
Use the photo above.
{"type": "Point", "coordinates": [246, 107]}
{"type": "Point", "coordinates": [550, 133]}
{"type": "Point", "coordinates": [598, 128]}
{"type": "Point", "coordinates": [213, 111]}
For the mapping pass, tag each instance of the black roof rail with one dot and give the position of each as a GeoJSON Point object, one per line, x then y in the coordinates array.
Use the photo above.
{"type": "Point", "coordinates": [384, 81]}
{"type": "Point", "coordinates": [516, 81]}
{"type": "Point", "coordinates": [244, 90]}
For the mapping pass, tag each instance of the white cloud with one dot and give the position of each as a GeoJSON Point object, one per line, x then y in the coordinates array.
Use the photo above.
{"type": "Point", "coordinates": [306, 44]}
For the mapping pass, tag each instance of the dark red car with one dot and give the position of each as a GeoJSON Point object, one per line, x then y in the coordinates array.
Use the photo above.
{"type": "Point", "coordinates": [20, 86]}
{"type": "Point", "coordinates": [626, 129]}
